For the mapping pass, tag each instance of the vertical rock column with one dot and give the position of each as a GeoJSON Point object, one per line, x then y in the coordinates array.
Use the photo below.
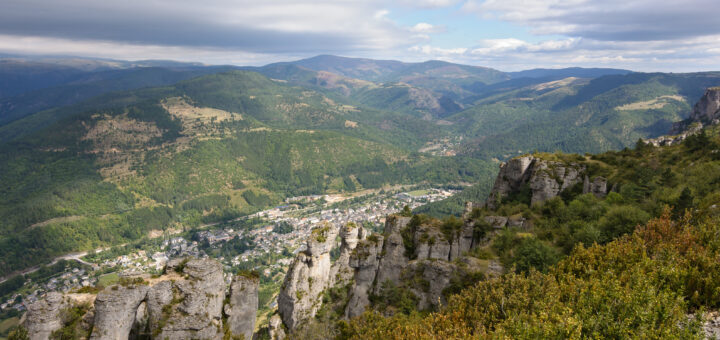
{"type": "Point", "coordinates": [242, 306]}
{"type": "Point", "coordinates": [307, 277]}
{"type": "Point", "coordinates": [115, 311]}
{"type": "Point", "coordinates": [43, 317]}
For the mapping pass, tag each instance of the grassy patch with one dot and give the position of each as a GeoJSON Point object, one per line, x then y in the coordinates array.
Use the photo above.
{"type": "Point", "coordinates": [108, 279]}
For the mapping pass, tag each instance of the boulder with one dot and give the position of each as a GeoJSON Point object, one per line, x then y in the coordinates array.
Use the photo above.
{"type": "Point", "coordinates": [275, 328]}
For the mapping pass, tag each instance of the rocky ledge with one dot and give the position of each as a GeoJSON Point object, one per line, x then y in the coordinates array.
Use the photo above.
{"type": "Point", "coordinates": [189, 302]}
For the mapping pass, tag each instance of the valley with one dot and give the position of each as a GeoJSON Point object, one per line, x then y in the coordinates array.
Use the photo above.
{"type": "Point", "coordinates": [245, 164]}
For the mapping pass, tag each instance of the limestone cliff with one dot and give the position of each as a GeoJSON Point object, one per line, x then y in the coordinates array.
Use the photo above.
{"type": "Point", "coordinates": [543, 179]}
{"type": "Point", "coordinates": [705, 112]}
{"type": "Point", "coordinates": [707, 109]}
{"type": "Point", "coordinates": [307, 277]}
{"type": "Point", "coordinates": [185, 303]}
{"type": "Point", "coordinates": [242, 306]}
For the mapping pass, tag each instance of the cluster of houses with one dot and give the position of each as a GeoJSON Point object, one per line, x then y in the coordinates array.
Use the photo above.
{"type": "Point", "coordinates": [266, 241]}
{"type": "Point", "coordinates": [67, 281]}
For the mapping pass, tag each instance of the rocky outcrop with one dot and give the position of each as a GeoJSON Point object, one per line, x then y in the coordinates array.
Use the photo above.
{"type": "Point", "coordinates": [711, 326]}
{"type": "Point", "coordinates": [705, 112]}
{"type": "Point", "coordinates": [392, 259]}
{"type": "Point", "coordinates": [187, 303]}
{"type": "Point", "coordinates": [43, 317]}
{"type": "Point", "coordinates": [116, 310]}
{"type": "Point", "coordinates": [300, 296]}
{"type": "Point", "coordinates": [543, 179]}
{"type": "Point", "coordinates": [384, 260]}
{"type": "Point", "coordinates": [276, 329]}
{"type": "Point", "coordinates": [242, 305]}
{"type": "Point", "coordinates": [597, 187]}
{"type": "Point", "coordinates": [350, 235]}
{"type": "Point", "coordinates": [426, 266]}
{"type": "Point", "coordinates": [365, 261]}
{"type": "Point", "coordinates": [707, 109]}
{"type": "Point", "coordinates": [195, 306]}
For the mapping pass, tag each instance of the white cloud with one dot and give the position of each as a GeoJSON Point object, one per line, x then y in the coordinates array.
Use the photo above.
{"type": "Point", "coordinates": [423, 27]}
{"type": "Point", "coordinates": [429, 3]}
{"type": "Point", "coordinates": [611, 20]}
{"type": "Point", "coordinates": [436, 51]}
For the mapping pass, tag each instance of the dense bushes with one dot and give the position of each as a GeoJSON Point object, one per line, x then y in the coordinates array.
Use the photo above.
{"type": "Point", "coordinates": [639, 286]}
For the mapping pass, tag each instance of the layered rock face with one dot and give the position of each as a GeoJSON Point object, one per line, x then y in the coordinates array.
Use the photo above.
{"type": "Point", "coordinates": [242, 306]}
{"type": "Point", "coordinates": [707, 109]}
{"type": "Point", "coordinates": [299, 298]}
{"type": "Point", "coordinates": [350, 235]}
{"type": "Point", "coordinates": [545, 179]}
{"type": "Point", "coordinates": [115, 311]}
{"type": "Point", "coordinates": [194, 309]}
{"type": "Point", "coordinates": [705, 112]}
{"type": "Point", "coordinates": [43, 317]}
{"type": "Point", "coordinates": [364, 261]}
{"type": "Point", "coordinates": [383, 260]}
{"type": "Point", "coordinates": [185, 304]}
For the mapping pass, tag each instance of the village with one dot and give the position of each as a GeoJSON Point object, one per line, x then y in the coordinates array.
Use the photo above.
{"type": "Point", "coordinates": [265, 242]}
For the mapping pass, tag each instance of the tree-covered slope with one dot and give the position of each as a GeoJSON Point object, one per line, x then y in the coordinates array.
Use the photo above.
{"type": "Point", "coordinates": [85, 85]}
{"type": "Point", "coordinates": [576, 115]}
{"type": "Point", "coordinates": [114, 168]}
{"type": "Point", "coordinates": [639, 261]}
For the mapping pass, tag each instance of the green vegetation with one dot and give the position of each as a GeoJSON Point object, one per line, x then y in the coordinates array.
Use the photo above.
{"type": "Point", "coordinates": [590, 267]}
{"type": "Point", "coordinates": [64, 191]}
{"type": "Point", "coordinates": [108, 280]}
{"type": "Point", "coordinates": [638, 286]}
{"type": "Point", "coordinates": [72, 318]}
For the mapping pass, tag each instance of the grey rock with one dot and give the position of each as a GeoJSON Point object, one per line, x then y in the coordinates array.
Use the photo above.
{"type": "Point", "coordinates": [189, 308]}
{"type": "Point", "coordinates": [350, 235]}
{"type": "Point", "coordinates": [393, 259]}
{"type": "Point", "coordinates": [275, 328]}
{"type": "Point", "coordinates": [513, 174]}
{"type": "Point", "coordinates": [242, 306]}
{"type": "Point", "coordinates": [431, 244]}
{"type": "Point", "coordinates": [300, 296]}
{"type": "Point", "coordinates": [597, 187]}
{"type": "Point", "coordinates": [546, 179]}
{"type": "Point", "coordinates": [115, 311]}
{"type": "Point", "coordinates": [497, 222]}
{"type": "Point", "coordinates": [436, 276]}
{"type": "Point", "coordinates": [43, 316]}
{"type": "Point", "coordinates": [711, 326]}
{"type": "Point", "coordinates": [365, 261]}
{"type": "Point", "coordinates": [707, 108]}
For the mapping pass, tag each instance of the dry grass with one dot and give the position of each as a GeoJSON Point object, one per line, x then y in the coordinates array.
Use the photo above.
{"type": "Point", "coordinates": [657, 103]}
{"type": "Point", "coordinates": [189, 114]}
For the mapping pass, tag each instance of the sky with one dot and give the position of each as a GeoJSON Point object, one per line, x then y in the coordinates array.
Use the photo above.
{"type": "Point", "coordinates": [509, 35]}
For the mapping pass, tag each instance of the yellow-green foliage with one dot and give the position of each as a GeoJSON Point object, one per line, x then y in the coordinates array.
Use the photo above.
{"type": "Point", "coordinates": [639, 286]}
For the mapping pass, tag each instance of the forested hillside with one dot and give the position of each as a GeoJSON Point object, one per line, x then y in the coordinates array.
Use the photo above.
{"type": "Point", "coordinates": [638, 258]}
{"type": "Point", "coordinates": [116, 167]}
{"type": "Point", "coordinates": [105, 167]}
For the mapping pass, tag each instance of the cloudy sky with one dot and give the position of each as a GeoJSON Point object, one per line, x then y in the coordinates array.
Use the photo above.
{"type": "Point", "coordinates": [642, 35]}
